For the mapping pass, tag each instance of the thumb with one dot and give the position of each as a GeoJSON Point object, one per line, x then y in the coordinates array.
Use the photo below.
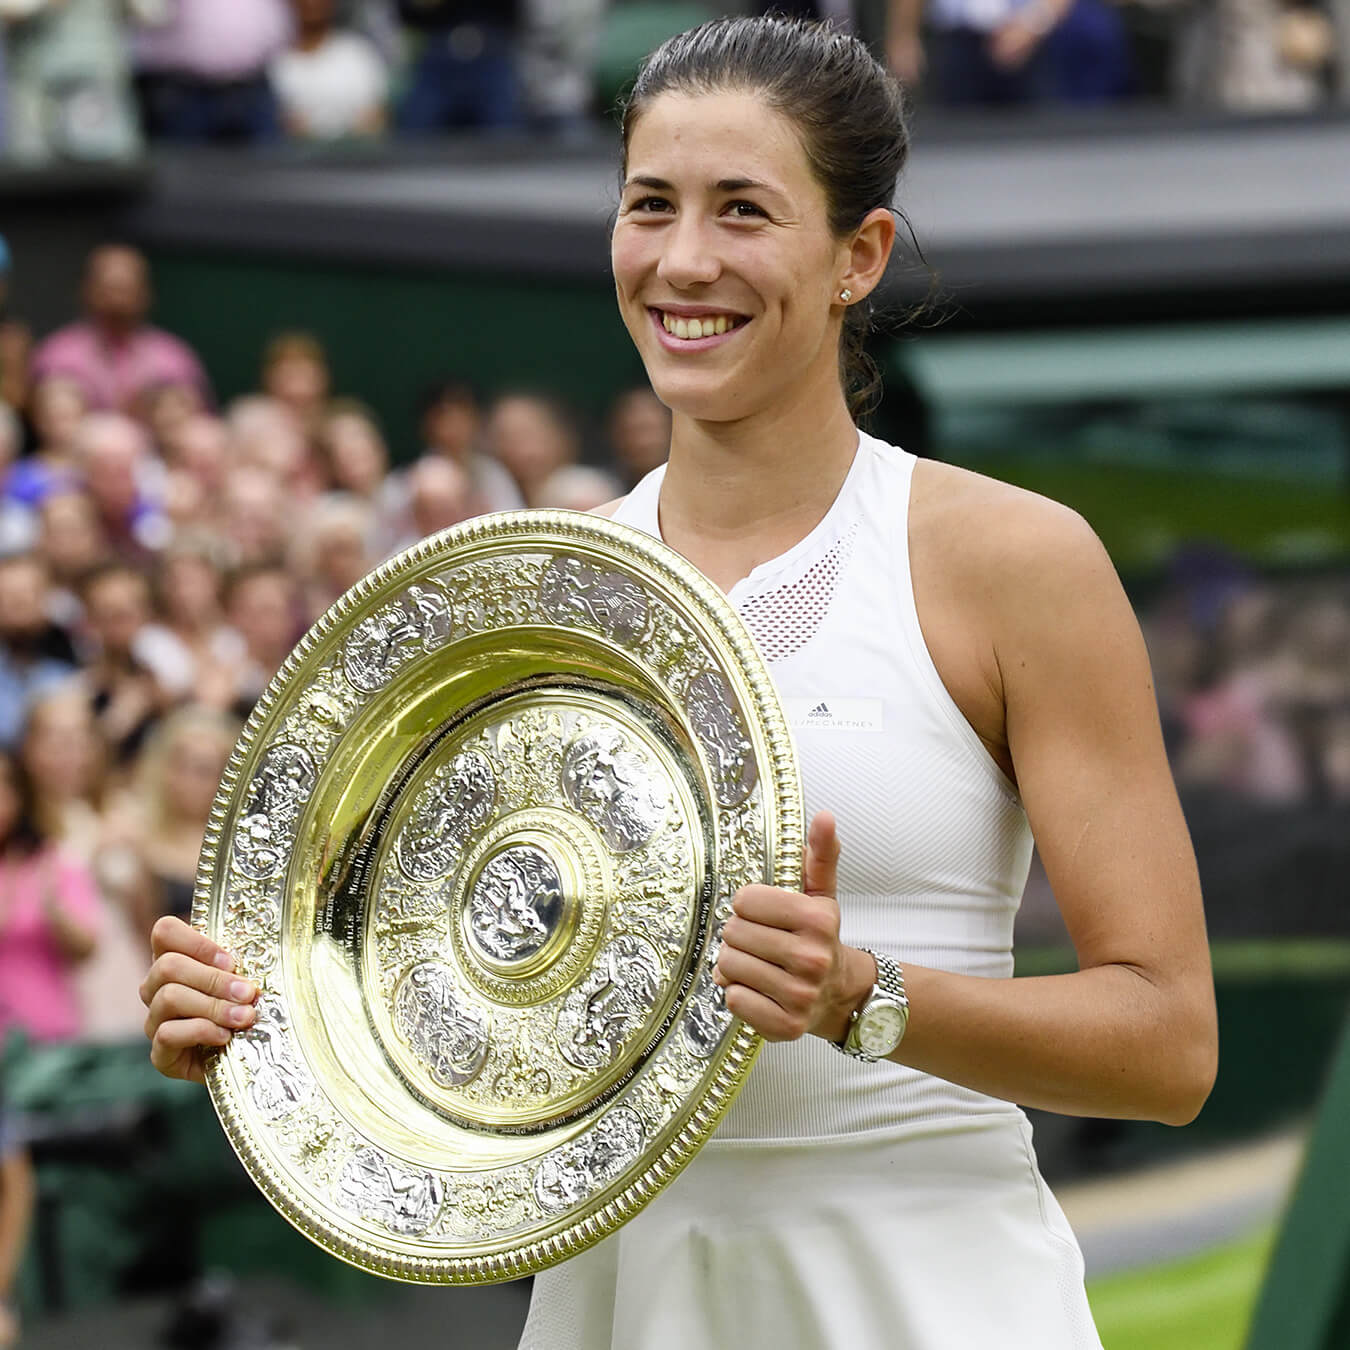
{"type": "Point", "coordinates": [820, 874]}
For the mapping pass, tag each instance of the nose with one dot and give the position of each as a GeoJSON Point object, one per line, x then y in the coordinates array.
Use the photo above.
{"type": "Point", "coordinates": [689, 257]}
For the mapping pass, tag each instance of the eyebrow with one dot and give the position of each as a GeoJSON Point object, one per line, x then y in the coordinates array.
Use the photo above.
{"type": "Point", "coordinates": [722, 185]}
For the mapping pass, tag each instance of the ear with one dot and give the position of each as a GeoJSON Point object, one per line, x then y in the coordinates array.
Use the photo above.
{"type": "Point", "coordinates": [867, 254]}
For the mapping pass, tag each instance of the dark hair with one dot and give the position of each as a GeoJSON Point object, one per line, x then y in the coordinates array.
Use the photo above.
{"type": "Point", "coordinates": [457, 392]}
{"type": "Point", "coordinates": [27, 836]}
{"type": "Point", "coordinates": [849, 110]}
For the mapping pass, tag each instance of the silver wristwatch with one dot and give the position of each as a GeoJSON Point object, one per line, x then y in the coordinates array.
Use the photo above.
{"type": "Point", "coordinates": [878, 1026]}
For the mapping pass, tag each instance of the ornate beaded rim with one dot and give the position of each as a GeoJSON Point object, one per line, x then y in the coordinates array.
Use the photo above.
{"type": "Point", "coordinates": [539, 530]}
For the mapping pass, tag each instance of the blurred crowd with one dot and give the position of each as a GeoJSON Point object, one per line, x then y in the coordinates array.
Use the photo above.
{"type": "Point", "coordinates": [160, 555]}
{"type": "Point", "coordinates": [90, 79]}
{"type": "Point", "coordinates": [1253, 681]}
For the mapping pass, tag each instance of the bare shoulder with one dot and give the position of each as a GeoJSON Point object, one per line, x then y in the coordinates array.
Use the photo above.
{"type": "Point", "coordinates": [608, 508]}
{"type": "Point", "coordinates": [1006, 534]}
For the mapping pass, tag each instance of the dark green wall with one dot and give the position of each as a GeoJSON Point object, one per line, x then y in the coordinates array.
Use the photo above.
{"type": "Point", "coordinates": [390, 333]}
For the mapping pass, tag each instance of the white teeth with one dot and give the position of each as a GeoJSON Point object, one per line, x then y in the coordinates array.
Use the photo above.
{"type": "Point", "coordinates": [692, 329]}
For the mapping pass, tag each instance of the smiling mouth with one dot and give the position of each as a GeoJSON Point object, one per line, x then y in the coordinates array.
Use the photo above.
{"type": "Point", "coordinates": [691, 327]}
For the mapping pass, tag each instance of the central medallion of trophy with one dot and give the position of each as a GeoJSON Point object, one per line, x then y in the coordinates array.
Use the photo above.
{"type": "Point", "coordinates": [534, 904]}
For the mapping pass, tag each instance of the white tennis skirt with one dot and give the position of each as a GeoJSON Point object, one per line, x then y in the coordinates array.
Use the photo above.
{"type": "Point", "coordinates": [940, 1236]}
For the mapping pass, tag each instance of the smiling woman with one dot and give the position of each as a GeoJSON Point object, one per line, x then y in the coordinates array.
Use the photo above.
{"type": "Point", "coordinates": [963, 675]}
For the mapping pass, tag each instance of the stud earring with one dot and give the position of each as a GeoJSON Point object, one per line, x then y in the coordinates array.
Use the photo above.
{"type": "Point", "coordinates": [846, 295]}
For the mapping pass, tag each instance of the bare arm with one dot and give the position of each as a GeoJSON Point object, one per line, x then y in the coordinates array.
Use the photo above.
{"type": "Point", "coordinates": [1133, 1032]}
{"type": "Point", "coordinates": [17, 1189]}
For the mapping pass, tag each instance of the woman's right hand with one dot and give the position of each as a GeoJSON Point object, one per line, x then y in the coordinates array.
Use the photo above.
{"type": "Point", "coordinates": [195, 1001]}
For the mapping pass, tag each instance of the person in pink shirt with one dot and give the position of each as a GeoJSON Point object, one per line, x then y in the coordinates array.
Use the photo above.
{"type": "Point", "coordinates": [49, 911]}
{"type": "Point", "coordinates": [113, 353]}
{"type": "Point", "coordinates": [203, 69]}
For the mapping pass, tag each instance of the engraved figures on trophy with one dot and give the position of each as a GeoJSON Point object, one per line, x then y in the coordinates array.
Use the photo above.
{"type": "Point", "coordinates": [717, 723]}
{"type": "Point", "coordinates": [448, 1034]}
{"type": "Point", "coordinates": [515, 904]}
{"type": "Point", "coordinates": [277, 794]}
{"type": "Point", "coordinates": [277, 1080]}
{"type": "Point", "coordinates": [600, 1015]}
{"type": "Point", "coordinates": [375, 1189]}
{"type": "Point", "coordinates": [571, 591]}
{"type": "Point", "coordinates": [568, 1175]}
{"type": "Point", "coordinates": [609, 783]}
{"type": "Point", "coordinates": [419, 620]}
{"type": "Point", "coordinates": [448, 810]}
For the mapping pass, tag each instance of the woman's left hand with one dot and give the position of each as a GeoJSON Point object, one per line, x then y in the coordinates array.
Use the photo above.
{"type": "Point", "coordinates": [782, 964]}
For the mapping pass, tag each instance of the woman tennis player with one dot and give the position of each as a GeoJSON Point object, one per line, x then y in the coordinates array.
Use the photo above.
{"type": "Point", "coordinates": [964, 675]}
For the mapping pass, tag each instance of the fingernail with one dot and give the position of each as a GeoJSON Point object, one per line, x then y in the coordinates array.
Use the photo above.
{"type": "Point", "coordinates": [241, 991]}
{"type": "Point", "coordinates": [224, 960]}
{"type": "Point", "coordinates": [241, 1016]}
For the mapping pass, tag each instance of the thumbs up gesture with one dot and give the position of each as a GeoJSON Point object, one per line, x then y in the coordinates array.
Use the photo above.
{"type": "Point", "coordinates": [782, 965]}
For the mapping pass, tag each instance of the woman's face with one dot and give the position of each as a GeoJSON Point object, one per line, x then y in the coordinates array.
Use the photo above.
{"type": "Point", "coordinates": [60, 749]}
{"type": "Point", "coordinates": [193, 766]}
{"type": "Point", "coordinates": [191, 588]}
{"type": "Point", "coordinates": [723, 227]}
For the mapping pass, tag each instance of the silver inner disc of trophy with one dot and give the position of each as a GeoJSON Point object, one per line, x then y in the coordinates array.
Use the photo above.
{"type": "Point", "coordinates": [515, 904]}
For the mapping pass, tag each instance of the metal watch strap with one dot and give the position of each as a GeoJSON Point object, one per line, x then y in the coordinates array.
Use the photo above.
{"type": "Point", "coordinates": [890, 977]}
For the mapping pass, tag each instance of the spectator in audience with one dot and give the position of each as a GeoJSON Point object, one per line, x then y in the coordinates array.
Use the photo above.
{"type": "Point", "coordinates": [452, 429]}
{"type": "Point", "coordinates": [331, 550]}
{"type": "Point", "coordinates": [165, 409]}
{"type": "Point", "coordinates": [16, 339]}
{"type": "Point", "coordinates": [66, 760]}
{"type": "Point", "coordinates": [295, 374]}
{"type": "Point", "coordinates": [578, 487]}
{"type": "Point", "coordinates": [69, 82]}
{"type": "Point", "coordinates": [201, 448]}
{"type": "Point", "coordinates": [35, 654]}
{"type": "Point", "coordinates": [117, 467]}
{"type": "Point", "coordinates": [127, 695]}
{"type": "Point", "coordinates": [18, 1191]}
{"type": "Point", "coordinates": [72, 543]}
{"type": "Point", "coordinates": [56, 408]}
{"type": "Point", "coordinates": [203, 70]}
{"type": "Point", "coordinates": [49, 911]}
{"type": "Point", "coordinates": [439, 495]}
{"type": "Point", "coordinates": [533, 436]}
{"type": "Point", "coordinates": [331, 82]}
{"type": "Point", "coordinates": [191, 585]}
{"type": "Point", "coordinates": [978, 51]}
{"type": "Point", "coordinates": [465, 74]}
{"type": "Point", "coordinates": [639, 433]}
{"type": "Point", "coordinates": [556, 55]}
{"type": "Point", "coordinates": [175, 786]}
{"type": "Point", "coordinates": [113, 353]}
{"type": "Point", "coordinates": [264, 608]}
{"type": "Point", "coordinates": [253, 519]}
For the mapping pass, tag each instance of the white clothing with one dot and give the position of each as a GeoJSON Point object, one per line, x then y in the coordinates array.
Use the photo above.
{"type": "Point", "coordinates": [842, 1205]}
{"type": "Point", "coordinates": [332, 90]}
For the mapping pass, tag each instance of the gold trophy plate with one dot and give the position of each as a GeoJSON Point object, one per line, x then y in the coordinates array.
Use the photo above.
{"type": "Point", "coordinates": [476, 844]}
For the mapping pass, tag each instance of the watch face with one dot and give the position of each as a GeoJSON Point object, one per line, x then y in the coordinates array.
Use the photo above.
{"type": "Point", "coordinates": [880, 1029]}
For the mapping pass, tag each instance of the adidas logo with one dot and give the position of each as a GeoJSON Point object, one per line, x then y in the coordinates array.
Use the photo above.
{"type": "Point", "coordinates": [820, 710]}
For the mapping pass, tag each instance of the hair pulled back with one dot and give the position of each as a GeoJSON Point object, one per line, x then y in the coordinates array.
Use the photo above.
{"type": "Point", "coordinates": [848, 109]}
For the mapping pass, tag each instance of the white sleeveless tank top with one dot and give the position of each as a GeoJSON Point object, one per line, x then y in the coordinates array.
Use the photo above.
{"type": "Point", "coordinates": [935, 845]}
